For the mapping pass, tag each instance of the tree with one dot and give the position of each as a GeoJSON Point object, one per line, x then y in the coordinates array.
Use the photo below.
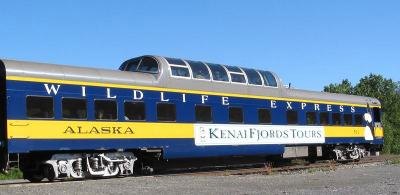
{"type": "Point", "coordinates": [344, 87]}
{"type": "Point", "coordinates": [387, 91]}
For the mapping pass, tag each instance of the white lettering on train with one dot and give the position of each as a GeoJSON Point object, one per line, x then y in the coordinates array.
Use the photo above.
{"type": "Point", "coordinates": [162, 97]}
{"type": "Point", "coordinates": [109, 94]}
{"type": "Point", "coordinates": [225, 101]}
{"type": "Point", "coordinates": [316, 107]}
{"type": "Point", "coordinates": [183, 97]}
{"type": "Point", "coordinates": [303, 105]}
{"type": "Point", "coordinates": [273, 104]}
{"type": "Point", "coordinates": [204, 98]}
{"type": "Point", "coordinates": [83, 91]}
{"type": "Point", "coordinates": [52, 89]}
{"type": "Point", "coordinates": [139, 95]}
{"type": "Point", "coordinates": [289, 105]}
{"type": "Point", "coordinates": [329, 108]}
{"type": "Point", "coordinates": [341, 109]}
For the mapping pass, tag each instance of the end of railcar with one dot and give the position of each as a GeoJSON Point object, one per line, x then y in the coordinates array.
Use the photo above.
{"type": "Point", "coordinates": [3, 118]}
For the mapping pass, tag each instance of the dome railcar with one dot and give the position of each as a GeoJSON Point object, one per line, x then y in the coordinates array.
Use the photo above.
{"type": "Point", "coordinates": [75, 122]}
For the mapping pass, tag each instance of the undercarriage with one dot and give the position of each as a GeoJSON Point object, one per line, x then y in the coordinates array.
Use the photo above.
{"type": "Point", "coordinates": [350, 152]}
{"type": "Point", "coordinates": [80, 166]}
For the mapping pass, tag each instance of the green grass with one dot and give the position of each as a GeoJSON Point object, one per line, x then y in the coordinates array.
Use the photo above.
{"type": "Point", "coordinates": [12, 174]}
{"type": "Point", "coordinates": [395, 161]}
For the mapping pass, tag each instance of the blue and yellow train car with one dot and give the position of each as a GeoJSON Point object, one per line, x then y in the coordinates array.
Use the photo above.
{"type": "Point", "coordinates": [67, 121]}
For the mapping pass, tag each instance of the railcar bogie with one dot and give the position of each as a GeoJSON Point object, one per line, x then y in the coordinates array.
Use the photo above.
{"type": "Point", "coordinates": [78, 166]}
{"type": "Point", "coordinates": [349, 152]}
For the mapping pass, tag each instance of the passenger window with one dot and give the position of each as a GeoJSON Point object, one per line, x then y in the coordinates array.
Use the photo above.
{"type": "Point", "coordinates": [269, 79]}
{"type": "Point", "coordinates": [203, 113]}
{"type": "Point", "coordinates": [218, 72]}
{"type": "Point", "coordinates": [336, 119]}
{"type": "Point", "coordinates": [238, 78]}
{"type": "Point", "coordinates": [348, 119]}
{"type": "Point", "coordinates": [358, 120]}
{"type": "Point", "coordinates": [166, 112]}
{"type": "Point", "coordinates": [235, 115]}
{"type": "Point", "coordinates": [324, 118]}
{"type": "Point", "coordinates": [253, 77]}
{"type": "Point", "coordinates": [291, 116]}
{"type": "Point", "coordinates": [39, 107]}
{"type": "Point", "coordinates": [73, 108]}
{"type": "Point", "coordinates": [105, 109]}
{"type": "Point", "coordinates": [199, 70]}
{"type": "Point", "coordinates": [180, 71]}
{"type": "Point", "coordinates": [149, 65]}
{"type": "Point", "coordinates": [311, 118]}
{"type": "Point", "coordinates": [134, 111]}
{"type": "Point", "coordinates": [264, 116]}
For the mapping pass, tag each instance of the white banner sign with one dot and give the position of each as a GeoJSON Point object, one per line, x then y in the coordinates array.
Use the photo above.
{"type": "Point", "coordinates": [229, 134]}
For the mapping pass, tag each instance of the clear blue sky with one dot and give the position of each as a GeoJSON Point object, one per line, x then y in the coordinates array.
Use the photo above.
{"type": "Point", "coordinates": [307, 43]}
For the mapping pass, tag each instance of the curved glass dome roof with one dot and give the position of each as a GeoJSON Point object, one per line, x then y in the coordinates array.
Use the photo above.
{"type": "Point", "coordinates": [220, 73]}
{"type": "Point", "coordinates": [197, 70]}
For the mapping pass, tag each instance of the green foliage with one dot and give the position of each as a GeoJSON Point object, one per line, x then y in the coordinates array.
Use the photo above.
{"type": "Point", "coordinates": [344, 87]}
{"type": "Point", "coordinates": [388, 92]}
{"type": "Point", "coordinates": [12, 174]}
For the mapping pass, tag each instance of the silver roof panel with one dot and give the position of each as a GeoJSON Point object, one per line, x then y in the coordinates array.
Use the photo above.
{"type": "Point", "coordinates": [163, 79]}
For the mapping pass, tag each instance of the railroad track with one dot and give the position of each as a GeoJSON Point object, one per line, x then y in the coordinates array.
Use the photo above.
{"type": "Point", "coordinates": [270, 168]}
{"type": "Point", "coordinates": [241, 169]}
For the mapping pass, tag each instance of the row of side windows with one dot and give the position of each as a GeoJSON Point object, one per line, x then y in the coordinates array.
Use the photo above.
{"type": "Point", "coordinates": [336, 119]}
{"type": "Point", "coordinates": [75, 108]}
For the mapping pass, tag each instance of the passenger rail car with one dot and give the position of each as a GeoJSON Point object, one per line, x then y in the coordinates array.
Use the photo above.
{"type": "Point", "coordinates": [74, 122]}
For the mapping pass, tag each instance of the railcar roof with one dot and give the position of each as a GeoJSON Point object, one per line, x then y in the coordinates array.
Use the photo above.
{"type": "Point", "coordinates": [181, 74]}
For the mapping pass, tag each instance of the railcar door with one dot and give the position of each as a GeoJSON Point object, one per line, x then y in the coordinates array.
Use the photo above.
{"type": "Point", "coordinates": [3, 118]}
{"type": "Point", "coordinates": [377, 118]}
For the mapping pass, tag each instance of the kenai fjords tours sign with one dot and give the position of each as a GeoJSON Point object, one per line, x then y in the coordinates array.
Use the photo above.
{"type": "Point", "coordinates": [218, 134]}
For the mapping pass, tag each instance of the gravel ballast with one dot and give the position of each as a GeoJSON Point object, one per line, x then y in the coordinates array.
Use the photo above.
{"type": "Point", "coordinates": [375, 178]}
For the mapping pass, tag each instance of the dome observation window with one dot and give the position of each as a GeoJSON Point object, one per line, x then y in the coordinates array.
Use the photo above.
{"type": "Point", "coordinates": [269, 78]}
{"type": "Point", "coordinates": [132, 65]}
{"type": "Point", "coordinates": [180, 71]}
{"type": "Point", "coordinates": [178, 68]}
{"type": "Point", "coordinates": [253, 77]}
{"type": "Point", "coordinates": [175, 61]}
{"type": "Point", "coordinates": [218, 72]}
{"type": "Point", "coordinates": [199, 70]}
{"type": "Point", "coordinates": [237, 75]}
{"type": "Point", "coordinates": [148, 64]}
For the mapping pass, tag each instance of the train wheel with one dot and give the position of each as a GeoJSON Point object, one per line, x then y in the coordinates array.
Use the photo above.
{"type": "Point", "coordinates": [48, 172]}
{"type": "Point", "coordinates": [312, 159]}
{"type": "Point", "coordinates": [32, 177]}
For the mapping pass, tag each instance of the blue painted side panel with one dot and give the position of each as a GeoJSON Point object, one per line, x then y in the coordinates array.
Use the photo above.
{"type": "Point", "coordinates": [17, 91]}
{"type": "Point", "coordinates": [173, 148]}
{"type": "Point", "coordinates": [354, 140]}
